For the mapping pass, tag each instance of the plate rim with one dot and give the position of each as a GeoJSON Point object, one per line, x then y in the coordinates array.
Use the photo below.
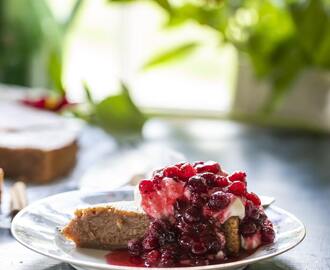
{"type": "Point", "coordinates": [118, 267]}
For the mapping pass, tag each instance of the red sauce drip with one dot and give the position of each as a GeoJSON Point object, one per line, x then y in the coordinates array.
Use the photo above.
{"type": "Point", "coordinates": [121, 257]}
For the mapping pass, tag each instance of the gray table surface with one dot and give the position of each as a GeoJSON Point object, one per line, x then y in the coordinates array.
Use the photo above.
{"type": "Point", "coordinates": [292, 166]}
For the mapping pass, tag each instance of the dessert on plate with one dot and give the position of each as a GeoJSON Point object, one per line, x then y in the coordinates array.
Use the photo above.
{"type": "Point", "coordinates": [186, 215]}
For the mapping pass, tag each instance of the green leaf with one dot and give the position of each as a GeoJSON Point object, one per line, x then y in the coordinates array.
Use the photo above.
{"type": "Point", "coordinates": [322, 54]}
{"type": "Point", "coordinates": [216, 18]}
{"type": "Point", "coordinates": [310, 21]}
{"type": "Point", "coordinates": [88, 93]}
{"type": "Point", "coordinates": [287, 62]}
{"type": "Point", "coordinates": [164, 4]}
{"type": "Point", "coordinates": [118, 114]}
{"type": "Point", "coordinates": [55, 70]}
{"type": "Point", "coordinates": [73, 14]}
{"type": "Point", "coordinates": [171, 55]}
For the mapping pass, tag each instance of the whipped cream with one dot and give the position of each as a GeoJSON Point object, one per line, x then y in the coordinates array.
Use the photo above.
{"type": "Point", "coordinates": [236, 208]}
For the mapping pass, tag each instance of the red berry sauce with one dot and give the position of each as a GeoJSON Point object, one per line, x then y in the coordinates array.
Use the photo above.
{"type": "Point", "coordinates": [122, 257]}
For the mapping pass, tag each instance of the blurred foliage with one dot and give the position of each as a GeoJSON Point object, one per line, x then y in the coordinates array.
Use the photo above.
{"type": "Point", "coordinates": [116, 114]}
{"type": "Point", "coordinates": [172, 54]}
{"type": "Point", "coordinates": [281, 38]}
{"type": "Point", "coordinates": [31, 43]}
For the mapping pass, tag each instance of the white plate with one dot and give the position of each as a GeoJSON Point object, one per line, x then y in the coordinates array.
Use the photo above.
{"type": "Point", "coordinates": [38, 228]}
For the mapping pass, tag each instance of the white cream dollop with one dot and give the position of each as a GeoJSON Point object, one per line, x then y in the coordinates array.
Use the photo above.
{"type": "Point", "coordinates": [234, 209]}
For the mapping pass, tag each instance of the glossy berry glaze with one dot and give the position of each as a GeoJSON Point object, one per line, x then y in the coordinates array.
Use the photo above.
{"type": "Point", "coordinates": [188, 205]}
{"type": "Point", "coordinates": [122, 257]}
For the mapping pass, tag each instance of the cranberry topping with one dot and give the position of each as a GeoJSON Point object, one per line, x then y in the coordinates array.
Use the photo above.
{"type": "Point", "coordinates": [222, 181]}
{"type": "Point", "coordinates": [210, 179]}
{"type": "Point", "coordinates": [237, 188]}
{"type": "Point", "coordinates": [152, 258]}
{"type": "Point", "coordinates": [196, 184]}
{"type": "Point", "coordinates": [171, 171]}
{"type": "Point", "coordinates": [186, 241]}
{"type": "Point", "coordinates": [214, 245]}
{"type": "Point", "coordinates": [187, 171]}
{"type": "Point", "coordinates": [167, 259]}
{"type": "Point", "coordinates": [198, 199]}
{"type": "Point", "coordinates": [198, 248]}
{"type": "Point", "coordinates": [192, 214]}
{"type": "Point", "coordinates": [134, 247]}
{"type": "Point", "coordinates": [187, 204]}
{"type": "Point", "coordinates": [238, 176]}
{"type": "Point", "coordinates": [251, 211]}
{"type": "Point", "coordinates": [267, 235]}
{"type": "Point", "coordinates": [218, 200]}
{"type": "Point", "coordinates": [146, 187]}
{"type": "Point", "coordinates": [253, 198]}
{"type": "Point", "coordinates": [150, 242]}
{"type": "Point", "coordinates": [179, 206]}
{"type": "Point", "coordinates": [248, 227]}
{"type": "Point", "coordinates": [209, 166]}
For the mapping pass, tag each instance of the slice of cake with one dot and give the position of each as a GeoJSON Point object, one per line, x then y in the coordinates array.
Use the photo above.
{"type": "Point", "coordinates": [107, 226]}
{"type": "Point", "coordinates": [35, 145]}
{"type": "Point", "coordinates": [197, 215]}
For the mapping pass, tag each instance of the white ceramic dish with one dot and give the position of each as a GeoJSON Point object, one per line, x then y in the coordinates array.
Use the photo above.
{"type": "Point", "coordinates": [38, 228]}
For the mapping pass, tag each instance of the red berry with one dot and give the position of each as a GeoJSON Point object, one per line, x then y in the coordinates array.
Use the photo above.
{"type": "Point", "coordinates": [222, 181]}
{"type": "Point", "coordinates": [198, 199]}
{"type": "Point", "coordinates": [252, 211]}
{"type": "Point", "coordinates": [210, 179]}
{"type": "Point", "coordinates": [171, 171]}
{"type": "Point", "coordinates": [198, 248]}
{"type": "Point", "coordinates": [152, 258]}
{"type": "Point", "coordinates": [213, 244]}
{"type": "Point", "coordinates": [150, 242]}
{"type": "Point", "coordinates": [253, 198]}
{"type": "Point", "coordinates": [267, 223]}
{"type": "Point", "coordinates": [157, 181]}
{"type": "Point", "coordinates": [185, 241]}
{"type": "Point", "coordinates": [238, 176]}
{"type": "Point", "coordinates": [192, 214]}
{"type": "Point", "coordinates": [156, 227]}
{"type": "Point", "coordinates": [167, 258]}
{"type": "Point", "coordinates": [134, 247]}
{"type": "Point", "coordinates": [267, 235]}
{"type": "Point", "coordinates": [209, 166]}
{"type": "Point", "coordinates": [237, 188]}
{"type": "Point", "coordinates": [218, 200]}
{"type": "Point", "coordinates": [146, 186]}
{"type": "Point", "coordinates": [196, 184]}
{"type": "Point", "coordinates": [248, 228]}
{"type": "Point", "coordinates": [187, 171]}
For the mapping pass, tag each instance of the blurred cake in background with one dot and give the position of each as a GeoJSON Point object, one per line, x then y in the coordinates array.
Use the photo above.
{"type": "Point", "coordinates": [35, 145]}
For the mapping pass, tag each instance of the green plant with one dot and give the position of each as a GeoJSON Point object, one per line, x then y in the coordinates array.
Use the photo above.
{"type": "Point", "coordinates": [281, 38]}
{"type": "Point", "coordinates": [31, 43]}
{"type": "Point", "coordinates": [116, 114]}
